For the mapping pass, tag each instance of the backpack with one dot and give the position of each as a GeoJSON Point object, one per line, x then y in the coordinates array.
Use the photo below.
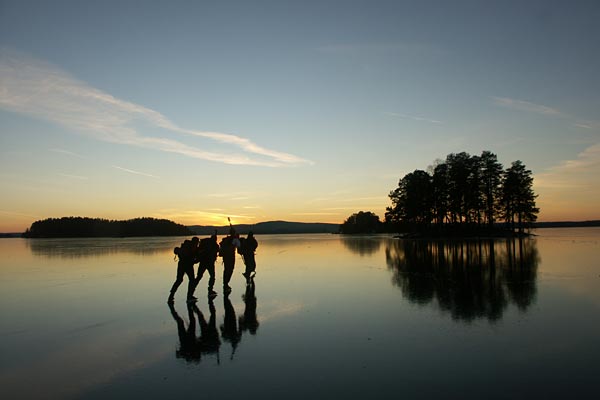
{"type": "Point", "coordinates": [184, 250]}
{"type": "Point", "coordinates": [242, 247]}
{"type": "Point", "coordinates": [204, 245]}
{"type": "Point", "coordinates": [179, 249]}
{"type": "Point", "coordinates": [226, 245]}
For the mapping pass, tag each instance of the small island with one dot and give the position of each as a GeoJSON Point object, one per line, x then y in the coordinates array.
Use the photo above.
{"type": "Point", "coordinates": [463, 196]}
{"type": "Point", "coordinates": [78, 227]}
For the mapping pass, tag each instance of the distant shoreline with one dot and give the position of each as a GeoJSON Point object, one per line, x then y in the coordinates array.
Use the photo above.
{"type": "Point", "coordinates": [80, 227]}
{"type": "Point", "coordinates": [284, 227]}
{"type": "Point", "coordinates": [566, 224]}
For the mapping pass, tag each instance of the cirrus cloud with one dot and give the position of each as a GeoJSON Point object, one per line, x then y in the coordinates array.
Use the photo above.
{"type": "Point", "coordinates": [38, 89]}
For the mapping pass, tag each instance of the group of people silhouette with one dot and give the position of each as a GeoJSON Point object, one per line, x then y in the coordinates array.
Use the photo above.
{"type": "Point", "coordinates": [192, 346]}
{"type": "Point", "coordinates": [205, 252]}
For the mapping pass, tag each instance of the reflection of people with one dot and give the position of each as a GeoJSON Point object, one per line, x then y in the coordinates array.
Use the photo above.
{"type": "Point", "coordinates": [229, 328]}
{"type": "Point", "coordinates": [209, 341]}
{"type": "Point", "coordinates": [249, 321]}
{"type": "Point", "coordinates": [228, 246]}
{"type": "Point", "coordinates": [188, 347]}
{"type": "Point", "coordinates": [185, 266]}
{"type": "Point", "coordinates": [207, 255]}
{"type": "Point", "coordinates": [191, 348]}
{"type": "Point", "coordinates": [247, 248]}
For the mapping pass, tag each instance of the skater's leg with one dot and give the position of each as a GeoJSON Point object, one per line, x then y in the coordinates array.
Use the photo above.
{"type": "Point", "coordinates": [191, 281]}
{"type": "Point", "coordinates": [178, 280]}
{"type": "Point", "coordinates": [211, 281]}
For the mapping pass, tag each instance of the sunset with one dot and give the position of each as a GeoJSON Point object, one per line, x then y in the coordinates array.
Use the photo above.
{"type": "Point", "coordinates": [196, 112]}
{"type": "Point", "coordinates": [418, 181]}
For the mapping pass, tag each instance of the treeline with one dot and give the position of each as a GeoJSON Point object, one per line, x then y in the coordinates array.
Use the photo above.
{"type": "Point", "coordinates": [362, 222]}
{"type": "Point", "coordinates": [269, 228]}
{"type": "Point", "coordinates": [464, 193]}
{"type": "Point", "coordinates": [69, 227]}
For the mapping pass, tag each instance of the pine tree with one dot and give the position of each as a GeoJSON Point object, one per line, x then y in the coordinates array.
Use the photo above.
{"type": "Point", "coordinates": [518, 198]}
{"type": "Point", "coordinates": [491, 180]}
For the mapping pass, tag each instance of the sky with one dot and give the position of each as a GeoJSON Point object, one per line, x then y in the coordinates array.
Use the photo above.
{"type": "Point", "coordinates": [304, 111]}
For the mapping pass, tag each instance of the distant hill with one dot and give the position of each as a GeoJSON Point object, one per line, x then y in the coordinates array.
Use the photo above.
{"type": "Point", "coordinates": [77, 227]}
{"type": "Point", "coordinates": [10, 235]}
{"type": "Point", "coordinates": [267, 228]}
{"type": "Point", "coordinates": [566, 224]}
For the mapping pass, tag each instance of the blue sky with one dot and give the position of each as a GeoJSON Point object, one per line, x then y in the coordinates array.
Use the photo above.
{"type": "Point", "coordinates": [305, 111]}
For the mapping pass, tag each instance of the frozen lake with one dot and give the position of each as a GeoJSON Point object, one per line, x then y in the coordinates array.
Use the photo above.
{"type": "Point", "coordinates": [330, 317]}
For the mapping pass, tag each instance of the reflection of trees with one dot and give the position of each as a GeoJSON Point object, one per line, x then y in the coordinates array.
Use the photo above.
{"type": "Point", "coordinates": [93, 247]}
{"type": "Point", "coordinates": [362, 245]}
{"type": "Point", "coordinates": [468, 279]}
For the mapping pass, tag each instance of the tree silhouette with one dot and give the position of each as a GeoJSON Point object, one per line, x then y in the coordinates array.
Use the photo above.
{"type": "Point", "coordinates": [96, 227]}
{"type": "Point", "coordinates": [491, 180]}
{"type": "Point", "coordinates": [441, 194]}
{"type": "Point", "coordinates": [464, 193]}
{"type": "Point", "coordinates": [361, 222]}
{"type": "Point", "coordinates": [413, 199]}
{"type": "Point", "coordinates": [518, 197]}
{"type": "Point", "coordinates": [458, 182]}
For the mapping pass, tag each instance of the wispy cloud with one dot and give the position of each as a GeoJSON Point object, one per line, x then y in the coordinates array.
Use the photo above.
{"type": "Point", "coordinates": [594, 125]}
{"type": "Point", "coordinates": [278, 310]}
{"type": "Point", "coordinates": [67, 152]}
{"type": "Point", "coordinates": [526, 106]}
{"type": "Point", "coordinates": [586, 163]}
{"type": "Point", "coordinates": [71, 176]}
{"type": "Point", "coordinates": [232, 195]}
{"type": "Point", "coordinates": [407, 50]}
{"type": "Point", "coordinates": [344, 199]}
{"type": "Point", "coordinates": [201, 217]}
{"type": "Point", "coordinates": [340, 208]}
{"type": "Point", "coordinates": [130, 171]}
{"type": "Point", "coordinates": [570, 189]}
{"type": "Point", "coordinates": [413, 117]}
{"type": "Point", "coordinates": [33, 87]}
{"type": "Point", "coordinates": [315, 213]}
{"type": "Point", "coordinates": [18, 214]}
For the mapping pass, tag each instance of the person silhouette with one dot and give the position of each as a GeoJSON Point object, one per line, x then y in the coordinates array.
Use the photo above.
{"type": "Point", "coordinates": [229, 328]}
{"type": "Point", "coordinates": [227, 249]}
{"type": "Point", "coordinates": [249, 321]}
{"type": "Point", "coordinates": [209, 341]}
{"type": "Point", "coordinates": [208, 251]}
{"type": "Point", "coordinates": [185, 266]}
{"type": "Point", "coordinates": [247, 248]}
{"type": "Point", "coordinates": [188, 344]}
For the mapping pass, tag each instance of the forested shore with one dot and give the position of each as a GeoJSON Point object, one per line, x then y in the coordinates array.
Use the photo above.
{"type": "Point", "coordinates": [71, 227]}
{"type": "Point", "coordinates": [462, 196]}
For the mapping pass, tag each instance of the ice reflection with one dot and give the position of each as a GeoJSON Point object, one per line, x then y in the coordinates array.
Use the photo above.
{"type": "Point", "coordinates": [249, 321]}
{"type": "Point", "coordinates": [94, 247]}
{"type": "Point", "coordinates": [193, 347]}
{"type": "Point", "coordinates": [468, 279]}
{"type": "Point", "coordinates": [362, 245]}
